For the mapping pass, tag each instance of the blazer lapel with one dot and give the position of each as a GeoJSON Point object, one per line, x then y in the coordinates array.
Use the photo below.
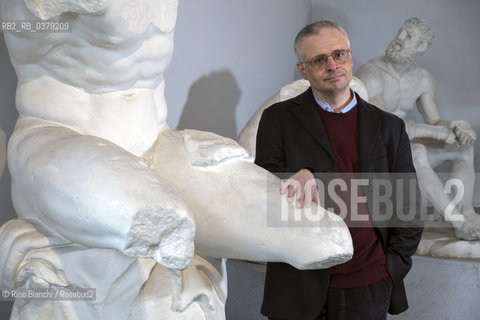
{"type": "Point", "coordinates": [307, 113]}
{"type": "Point", "coordinates": [369, 127]}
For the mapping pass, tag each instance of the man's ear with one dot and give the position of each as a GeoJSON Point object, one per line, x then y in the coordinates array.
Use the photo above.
{"type": "Point", "coordinates": [301, 68]}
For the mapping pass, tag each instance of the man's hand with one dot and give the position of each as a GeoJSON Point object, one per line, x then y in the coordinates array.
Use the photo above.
{"type": "Point", "coordinates": [302, 186]}
{"type": "Point", "coordinates": [464, 133]}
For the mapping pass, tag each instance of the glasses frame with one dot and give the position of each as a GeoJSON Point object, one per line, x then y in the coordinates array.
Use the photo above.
{"type": "Point", "coordinates": [326, 56]}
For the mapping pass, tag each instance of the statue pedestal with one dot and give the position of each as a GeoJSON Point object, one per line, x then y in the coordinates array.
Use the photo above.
{"type": "Point", "coordinates": [437, 288]}
{"type": "Point", "coordinates": [245, 290]}
{"type": "Point", "coordinates": [442, 289]}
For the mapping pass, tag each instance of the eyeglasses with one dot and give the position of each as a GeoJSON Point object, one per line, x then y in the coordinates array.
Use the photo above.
{"type": "Point", "coordinates": [339, 56]}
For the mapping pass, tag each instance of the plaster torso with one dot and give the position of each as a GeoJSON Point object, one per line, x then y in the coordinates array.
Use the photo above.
{"type": "Point", "coordinates": [394, 91]}
{"type": "Point", "coordinates": [99, 72]}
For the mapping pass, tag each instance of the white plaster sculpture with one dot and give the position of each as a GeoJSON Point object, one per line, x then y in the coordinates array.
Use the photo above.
{"type": "Point", "coordinates": [248, 136]}
{"type": "Point", "coordinates": [3, 151]}
{"type": "Point", "coordinates": [394, 83]}
{"type": "Point", "coordinates": [110, 197]}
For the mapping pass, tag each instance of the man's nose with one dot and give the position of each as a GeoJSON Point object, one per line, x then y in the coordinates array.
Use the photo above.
{"type": "Point", "coordinates": [331, 64]}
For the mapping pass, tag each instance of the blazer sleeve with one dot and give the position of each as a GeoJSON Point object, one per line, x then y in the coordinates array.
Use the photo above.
{"type": "Point", "coordinates": [270, 152]}
{"type": "Point", "coordinates": [404, 236]}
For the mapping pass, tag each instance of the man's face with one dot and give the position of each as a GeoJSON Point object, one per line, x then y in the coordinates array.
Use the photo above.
{"type": "Point", "coordinates": [404, 47]}
{"type": "Point", "coordinates": [334, 78]}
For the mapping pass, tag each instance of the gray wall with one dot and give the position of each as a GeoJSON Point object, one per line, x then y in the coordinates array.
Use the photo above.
{"type": "Point", "coordinates": [230, 56]}
{"type": "Point", "coordinates": [8, 115]}
{"type": "Point", "coordinates": [452, 59]}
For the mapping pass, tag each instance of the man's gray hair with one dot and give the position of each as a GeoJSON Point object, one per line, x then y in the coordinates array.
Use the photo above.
{"type": "Point", "coordinates": [313, 29]}
{"type": "Point", "coordinates": [426, 32]}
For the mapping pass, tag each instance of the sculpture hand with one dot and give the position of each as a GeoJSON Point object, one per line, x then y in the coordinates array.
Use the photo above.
{"type": "Point", "coordinates": [464, 133]}
{"type": "Point", "coordinates": [450, 137]}
{"type": "Point", "coordinates": [303, 185]}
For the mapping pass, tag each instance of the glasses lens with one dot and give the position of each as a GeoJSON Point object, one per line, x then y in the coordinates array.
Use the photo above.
{"type": "Point", "coordinates": [340, 56]}
{"type": "Point", "coordinates": [320, 61]}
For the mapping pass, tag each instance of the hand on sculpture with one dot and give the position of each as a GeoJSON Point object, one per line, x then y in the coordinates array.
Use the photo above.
{"type": "Point", "coordinates": [464, 133]}
{"type": "Point", "coordinates": [302, 184]}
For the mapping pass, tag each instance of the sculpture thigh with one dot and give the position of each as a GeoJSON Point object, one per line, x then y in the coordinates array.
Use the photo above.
{"type": "Point", "coordinates": [92, 192]}
{"type": "Point", "coordinates": [233, 200]}
{"type": "Point", "coordinates": [427, 157]}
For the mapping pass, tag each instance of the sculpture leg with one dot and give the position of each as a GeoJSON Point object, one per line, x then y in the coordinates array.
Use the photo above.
{"type": "Point", "coordinates": [463, 169]}
{"type": "Point", "coordinates": [425, 158]}
{"type": "Point", "coordinates": [94, 193]}
{"type": "Point", "coordinates": [232, 205]}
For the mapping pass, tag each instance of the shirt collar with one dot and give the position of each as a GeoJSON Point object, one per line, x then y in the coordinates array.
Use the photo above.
{"type": "Point", "coordinates": [347, 108]}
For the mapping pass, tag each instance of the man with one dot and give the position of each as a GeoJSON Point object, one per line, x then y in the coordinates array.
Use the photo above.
{"type": "Point", "coordinates": [396, 85]}
{"type": "Point", "coordinates": [329, 128]}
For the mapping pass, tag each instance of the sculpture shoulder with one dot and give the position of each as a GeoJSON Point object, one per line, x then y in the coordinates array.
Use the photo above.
{"type": "Point", "coordinates": [371, 74]}
{"type": "Point", "coordinates": [426, 79]}
{"type": "Point", "coordinates": [373, 66]}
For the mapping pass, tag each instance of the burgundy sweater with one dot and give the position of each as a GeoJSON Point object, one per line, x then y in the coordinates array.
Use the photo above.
{"type": "Point", "coordinates": [368, 262]}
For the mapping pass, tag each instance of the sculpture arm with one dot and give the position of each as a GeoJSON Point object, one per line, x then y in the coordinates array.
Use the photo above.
{"type": "Point", "coordinates": [435, 127]}
{"type": "Point", "coordinates": [460, 130]}
{"type": "Point", "coordinates": [94, 193]}
{"type": "Point", "coordinates": [417, 130]}
{"type": "Point", "coordinates": [428, 107]}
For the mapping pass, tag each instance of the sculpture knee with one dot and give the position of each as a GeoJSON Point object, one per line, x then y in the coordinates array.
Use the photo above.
{"type": "Point", "coordinates": [467, 155]}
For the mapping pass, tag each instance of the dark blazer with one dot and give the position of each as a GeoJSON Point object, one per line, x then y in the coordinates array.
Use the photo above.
{"type": "Point", "coordinates": [290, 137]}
